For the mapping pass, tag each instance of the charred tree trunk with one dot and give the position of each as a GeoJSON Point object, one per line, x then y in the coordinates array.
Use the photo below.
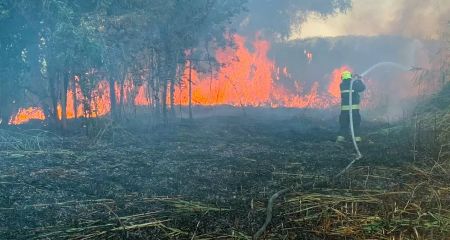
{"type": "Point", "coordinates": [121, 101]}
{"type": "Point", "coordinates": [54, 101]}
{"type": "Point", "coordinates": [112, 98]}
{"type": "Point", "coordinates": [64, 100]}
{"type": "Point", "coordinates": [172, 97]}
{"type": "Point", "coordinates": [156, 99]}
{"type": "Point", "coordinates": [164, 101]}
{"type": "Point", "coordinates": [150, 79]}
{"type": "Point", "coordinates": [190, 89]}
{"type": "Point", "coordinates": [119, 104]}
{"type": "Point", "coordinates": [75, 99]}
{"type": "Point", "coordinates": [157, 88]}
{"type": "Point", "coordinates": [5, 113]}
{"type": "Point", "coordinates": [175, 73]}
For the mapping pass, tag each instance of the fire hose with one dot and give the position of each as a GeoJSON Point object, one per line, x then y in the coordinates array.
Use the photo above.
{"type": "Point", "coordinates": [352, 130]}
{"type": "Point", "coordinates": [269, 211]}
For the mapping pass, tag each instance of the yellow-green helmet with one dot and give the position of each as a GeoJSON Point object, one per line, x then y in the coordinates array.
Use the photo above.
{"type": "Point", "coordinates": [346, 75]}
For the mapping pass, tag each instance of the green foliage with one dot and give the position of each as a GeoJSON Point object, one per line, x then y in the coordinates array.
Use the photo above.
{"type": "Point", "coordinates": [4, 11]}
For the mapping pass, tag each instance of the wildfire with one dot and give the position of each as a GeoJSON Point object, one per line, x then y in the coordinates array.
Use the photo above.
{"type": "Point", "coordinates": [246, 78]}
{"type": "Point", "coordinates": [25, 115]}
{"type": "Point", "coordinates": [252, 80]}
{"type": "Point", "coordinates": [98, 103]}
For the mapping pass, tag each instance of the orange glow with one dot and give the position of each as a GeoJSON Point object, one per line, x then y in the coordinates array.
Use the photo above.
{"type": "Point", "coordinates": [141, 98]}
{"type": "Point", "coordinates": [334, 87]}
{"type": "Point", "coordinates": [99, 105]}
{"type": "Point", "coordinates": [246, 78]}
{"type": "Point", "coordinates": [250, 78]}
{"type": "Point", "coordinates": [25, 115]}
{"type": "Point", "coordinates": [71, 101]}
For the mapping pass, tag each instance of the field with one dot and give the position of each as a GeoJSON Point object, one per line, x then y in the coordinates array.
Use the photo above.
{"type": "Point", "coordinates": [212, 178]}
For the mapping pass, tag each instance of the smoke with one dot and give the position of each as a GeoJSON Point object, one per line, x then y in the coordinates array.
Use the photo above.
{"type": "Point", "coordinates": [408, 18]}
{"type": "Point", "coordinates": [274, 18]}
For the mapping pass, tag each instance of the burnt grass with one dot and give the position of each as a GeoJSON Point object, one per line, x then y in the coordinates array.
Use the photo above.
{"type": "Point", "coordinates": [209, 178]}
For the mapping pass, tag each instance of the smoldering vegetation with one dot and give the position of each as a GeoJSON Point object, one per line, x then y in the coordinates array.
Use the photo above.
{"type": "Point", "coordinates": [212, 178]}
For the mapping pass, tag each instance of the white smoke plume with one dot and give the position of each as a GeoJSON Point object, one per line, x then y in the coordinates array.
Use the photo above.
{"type": "Point", "coordinates": [409, 18]}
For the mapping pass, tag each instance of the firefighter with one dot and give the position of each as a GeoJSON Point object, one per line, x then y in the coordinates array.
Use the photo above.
{"type": "Point", "coordinates": [344, 118]}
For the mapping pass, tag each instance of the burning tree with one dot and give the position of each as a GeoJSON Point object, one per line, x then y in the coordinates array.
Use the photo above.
{"type": "Point", "coordinates": [139, 47]}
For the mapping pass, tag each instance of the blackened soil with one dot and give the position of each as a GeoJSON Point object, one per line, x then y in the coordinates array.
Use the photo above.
{"type": "Point", "coordinates": [230, 163]}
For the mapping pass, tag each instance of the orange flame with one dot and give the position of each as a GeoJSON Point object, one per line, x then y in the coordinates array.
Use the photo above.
{"type": "Point", "coordinates": [334, 87]}
{"type": "Point", "coordinates": [250, 79]}
{"type": "Point", "coordinates": [247, 78]}
{"type": "Point", "coordinates": [25, 115]}
{"type": "Point", "coordinates": [99, 104]}
{"type": "Point", "coordinates": [142, 98]}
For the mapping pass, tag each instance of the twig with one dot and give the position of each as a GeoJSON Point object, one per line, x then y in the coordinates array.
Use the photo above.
{"type": "Point", "coordinates": [118, 219]}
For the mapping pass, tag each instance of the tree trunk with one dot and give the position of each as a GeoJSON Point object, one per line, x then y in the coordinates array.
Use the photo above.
{"type": "Point", "coordinates": [5, 106]}
{"type": "Point", "coordinates": [54, 100]}
{"type": "Point", "coordinates": [112, 98]}
{"type": "Point", "coordinates": [75, 99]}
{"type": "Point", "coordinates": [190, 89]}
{"type": "Point", "coordinates": [164, 100]}
{"type": "Point", "coordinates": [156, 89]}
{"type": "Point", "coordinates": [5, 114]}
{"type": "Point", "coordinates": [172, 96]}
{"type": "Point", "coordinates": [121, 100]}
{"type": "Point", "coordinates": [64, 100]}
{"type": "Point", "coordinates": [157, 103]}
{"type": "Point", "coordinates": [150, 91]}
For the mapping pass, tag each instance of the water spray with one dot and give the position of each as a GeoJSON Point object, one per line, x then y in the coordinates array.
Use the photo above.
{"type": "Point", "coordinates": [392, 64]}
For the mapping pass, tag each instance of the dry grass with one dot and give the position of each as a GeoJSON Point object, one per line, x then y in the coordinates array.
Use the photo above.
{"type": "Point", "coordinates": [415, 206]}
{"type": "Point", "coordinates": [113, 226]}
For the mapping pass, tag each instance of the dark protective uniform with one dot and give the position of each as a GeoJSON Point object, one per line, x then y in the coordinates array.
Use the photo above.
{"type": "Point", "coordinates": [344, 118]}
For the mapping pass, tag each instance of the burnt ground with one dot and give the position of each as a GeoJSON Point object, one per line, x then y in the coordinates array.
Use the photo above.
{"type": "Point", "coordinates": [202, 180]}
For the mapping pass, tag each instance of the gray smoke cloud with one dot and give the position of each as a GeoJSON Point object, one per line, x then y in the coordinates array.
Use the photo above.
{"type": "Point", "coordinates": [274, 18]}
{"type": "Point", "coordinates": [408, 18]}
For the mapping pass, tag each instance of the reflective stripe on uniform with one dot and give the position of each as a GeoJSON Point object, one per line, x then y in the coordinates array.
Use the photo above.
{"type": "Point", "coordinates": [347, 107]}
{"type": "Point", "coordinates": [347, 91]}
